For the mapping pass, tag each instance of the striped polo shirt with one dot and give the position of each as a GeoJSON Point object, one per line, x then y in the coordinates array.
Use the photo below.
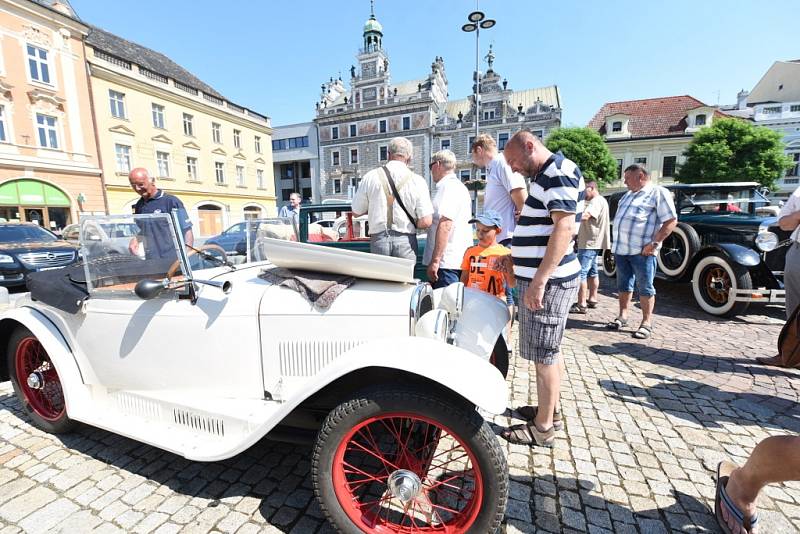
{"type": "Point", "coordinates": [557, 187]}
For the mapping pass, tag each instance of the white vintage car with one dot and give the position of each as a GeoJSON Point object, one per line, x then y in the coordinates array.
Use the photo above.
{"type": "Point", "coordinates": [191, 354]}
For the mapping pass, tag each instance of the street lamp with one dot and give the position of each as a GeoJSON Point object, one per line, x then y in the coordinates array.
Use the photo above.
{"type": "Point", "coordinates": [477, 21]}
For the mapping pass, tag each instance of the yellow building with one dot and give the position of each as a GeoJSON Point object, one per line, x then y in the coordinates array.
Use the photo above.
{"type": "Point", "coordinates": [49, 171]}
{"type": "Point", "coordinates": [150, 112]}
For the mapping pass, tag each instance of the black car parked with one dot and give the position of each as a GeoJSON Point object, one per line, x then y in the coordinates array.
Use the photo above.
{"type": "Point", "coordinates": [26, 248]}
{"type": "Point", "coordinates": [726, 243]}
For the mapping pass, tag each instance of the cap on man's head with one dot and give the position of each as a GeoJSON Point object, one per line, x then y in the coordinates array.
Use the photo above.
{"type": "Point", "coordinates": [488, 218]}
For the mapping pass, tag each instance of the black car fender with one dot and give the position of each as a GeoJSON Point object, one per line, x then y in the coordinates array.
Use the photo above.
{"type": "Point", "coordinates": [738, 254]}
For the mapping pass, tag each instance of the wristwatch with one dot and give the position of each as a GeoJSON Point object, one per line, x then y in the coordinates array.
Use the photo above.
{"type": "Point", "coordinates": [656, 246]}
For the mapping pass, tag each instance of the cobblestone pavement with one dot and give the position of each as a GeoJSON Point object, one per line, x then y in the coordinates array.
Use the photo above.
{"type": "Point", "coordinates": [645, 425]}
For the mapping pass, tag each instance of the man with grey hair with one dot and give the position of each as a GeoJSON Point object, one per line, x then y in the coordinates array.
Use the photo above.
{"type": "Point", "coordinates": [450, 233]}
{"type": "Point", "coordinates": [397, 201]}
{"type": "Point", "coordinates": [292, 211]}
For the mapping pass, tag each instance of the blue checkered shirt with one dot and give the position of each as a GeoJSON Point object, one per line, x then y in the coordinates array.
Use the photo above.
{"type": "Point", "coordinates": [639, 216]}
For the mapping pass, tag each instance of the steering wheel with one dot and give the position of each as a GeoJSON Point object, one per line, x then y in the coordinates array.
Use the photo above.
{"type": "Point", "coordinates": [214, 250]}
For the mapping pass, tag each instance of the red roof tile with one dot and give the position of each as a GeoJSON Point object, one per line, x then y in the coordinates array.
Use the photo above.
{"type": "Point", "coordinates": [652, 117]}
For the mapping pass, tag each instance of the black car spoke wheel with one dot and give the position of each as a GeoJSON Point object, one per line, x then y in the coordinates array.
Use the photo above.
{"type": "Point", "coordinates": [677, 251]}
{"type": "Point", "coordinates": [715, 284]}
{"type": "Point", "coordinates": [609, 264]}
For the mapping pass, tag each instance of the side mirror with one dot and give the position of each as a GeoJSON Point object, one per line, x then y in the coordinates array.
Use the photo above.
{"type": "Point", "coordinates": [149, 289]}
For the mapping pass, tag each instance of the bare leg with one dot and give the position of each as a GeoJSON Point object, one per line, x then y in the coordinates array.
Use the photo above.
{"type": "Point", "coordinates": [548, 385]}
{"type": "Point", "coordinates": [775, 459]}
{"type": "Point", "coordinates": [648, 303]}
{"type": "Point", "coordinates": [624, 302]}
{"type": "Point", "coordinates": [593, 284]}
{"type": "Point", "coordinates": [582, 292]}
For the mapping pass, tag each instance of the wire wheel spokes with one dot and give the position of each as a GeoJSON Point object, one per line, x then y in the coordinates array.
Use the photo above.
{"type": "Point", "coordinates": [717, 284]}
{"type": "Point", "coordinates": [47, 398]}
{"type": "Point", "coordinates": [440, 467]}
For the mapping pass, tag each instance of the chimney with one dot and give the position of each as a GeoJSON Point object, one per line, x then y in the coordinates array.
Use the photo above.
{"type": "Point", "coordinates": [741, 99]}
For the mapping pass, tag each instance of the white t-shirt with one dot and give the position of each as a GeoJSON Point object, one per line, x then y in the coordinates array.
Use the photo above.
{"type": "Point", "coordinates": [500, 181]}
{"type": "Point", "coordinates": [370, 198]}
{"type": "Point", "coordinates": [792, 205]}
{"type": "Point", "coordinates": [453, 202]}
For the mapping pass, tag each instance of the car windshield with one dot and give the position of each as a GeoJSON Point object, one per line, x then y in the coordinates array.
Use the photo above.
{"type": "Point", "coordinates": [120, 230]}
{"type": "Point", "coordinates": [24, 233]}
{"type": "Point", "coordinates": [720, 200]}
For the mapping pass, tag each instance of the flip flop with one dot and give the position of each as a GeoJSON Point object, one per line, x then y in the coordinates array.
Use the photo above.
{"type": "Point", "coordinates": [617, 324]}
{"type": "Point", "coordinates": [643, 332]}
{"type": "Point", "coordinates": [724, 470]}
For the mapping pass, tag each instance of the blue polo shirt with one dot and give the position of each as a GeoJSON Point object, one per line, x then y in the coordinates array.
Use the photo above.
{"type": "Point", "coordinates": [157, 233]}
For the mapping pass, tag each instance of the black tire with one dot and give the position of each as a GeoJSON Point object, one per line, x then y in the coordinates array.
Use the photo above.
{"type": "Point", "coordinates": [677, 252]}
{"type": "Point", "coordinates": [44, 406]}
{"type": "Point", "coordinates": [609, 264]}
{"type": "Point", "coordinates": [714, 279]}
{"type": "Point", "coordinates": [499, 356]}
{"type": "Point", "coordinates": [451, 415]}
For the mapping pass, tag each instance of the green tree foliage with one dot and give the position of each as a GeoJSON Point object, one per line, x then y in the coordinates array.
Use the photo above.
{"type": "Point", "coordinates": [587, 149]}
{"type": "Point", "coordinates": [733, 150]}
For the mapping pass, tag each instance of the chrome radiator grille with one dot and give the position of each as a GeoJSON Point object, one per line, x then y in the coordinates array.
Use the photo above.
{"type": "Point", "coordinates": [46, 259]}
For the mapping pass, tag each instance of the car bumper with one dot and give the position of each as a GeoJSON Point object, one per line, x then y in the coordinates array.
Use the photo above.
{"type": "Point", "coordinates": [763, 296]}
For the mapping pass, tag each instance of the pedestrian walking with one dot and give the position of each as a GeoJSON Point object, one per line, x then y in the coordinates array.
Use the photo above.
{"type": "Point", "coordinates": [397, 201]}
{"type": "Point", "coordinates": [292, 211]}
{"type": "Point", "coordinates": [645, 217]}
{"type": "Point", "coordinates": [450, 233]}
{"type": "Point", "coordinates": [594, 236]}
{"type": "Point", "coordinates": [547, 273]}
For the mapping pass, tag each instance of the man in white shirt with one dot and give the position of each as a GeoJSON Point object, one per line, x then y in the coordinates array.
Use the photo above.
{"type": "Point", "coordinates": [450, 235]}
{"type": "Point", "coordinates": [391, 231]}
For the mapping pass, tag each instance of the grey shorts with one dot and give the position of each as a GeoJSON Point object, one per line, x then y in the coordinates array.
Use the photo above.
{"type": "Point", "coordinates": [395, 244]}
{"type": "Point", "coordinates": [541, 331]}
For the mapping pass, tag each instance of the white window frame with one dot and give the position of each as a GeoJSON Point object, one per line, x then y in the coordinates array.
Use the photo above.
{"type": "Point", "coordinates": [488, 114]}
{"type": "Point", "coordinates": [216, 133]}
{"type": "Point", "coordinates": [237, 138]}
{"type": "Point", "coordinates": [794, 108]}
{"type": "Point", "coordinates": [644, 163]}
{"type": "Point", "coordinates": [260, 179]}
{"type": "Point", "coordinates": [403, 123]}
{"type": "Point", "coordinates": [162, 158]}
{"type": "Point", "coordinates": [219, 172]}
{"type": "Point", "coordinates": [158, 116]}
{"type": "Point", "coordinates": [257, 142]}
{"type": "Point", "coordinates": [464, 174]}
{"type": "Point", "coordinates": [498, 139]}
{"type": "Point", "coordinates": [697, 119]}
{"type": "Point", "coordinates": [613, 127]}
{"type": "Point", "coordinates": [191, 168]}
{"type": "Point", "coordinates": [123, 165]}
{"type": "Point", "coordinates": [4, 125]}
{"type": "Point", "coordinates": [350, 128]}
{"type": "Point", "coordinates": [337, 182]}
{"type": "Point", "coordinates": [383, 147]}
{"type": "Point", "coordinates": [188, 125]}
{"type": "Point", "coordinates": [333, 159]}
{"type": "Point", "coordinates": [117, 105]}
{"type": "Point", "coordinates": [795, 170]}
{"type": "Point", "coordinates": [240, 176]}
{"type": "Point", "coordinates": [334, 132]}
{"type": "Point", "coordinates": [449, 143]}
{"type": "Point", "coordinates": [385, 124]}
{"type": "Point", "coordinates": [49, 129]}
{"type": "Point", "coordinates": [39, 63]}
{"type": "Point", "coordinates": [350, 159]}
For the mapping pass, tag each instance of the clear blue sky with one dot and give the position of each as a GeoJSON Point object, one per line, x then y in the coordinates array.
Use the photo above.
{"type": "Point", "coordinates": [272, 55]}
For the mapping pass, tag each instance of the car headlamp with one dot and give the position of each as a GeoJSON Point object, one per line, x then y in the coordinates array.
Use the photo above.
{"type": "Point", "coordinates": [766, 241]}
{"type": "Point", "coordinates": [5, 258]}
{"type": "Point", "coordinates": [435, 324]}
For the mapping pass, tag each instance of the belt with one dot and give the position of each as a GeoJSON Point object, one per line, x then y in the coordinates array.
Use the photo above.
{"type": "Point", "coordinates": [391, 232]}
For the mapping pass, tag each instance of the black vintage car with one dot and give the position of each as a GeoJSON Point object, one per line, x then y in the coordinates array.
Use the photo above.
{"type": "Point", "coordinates": [727, 243]}
{"type": "Point", "coordinates": [26, 248]}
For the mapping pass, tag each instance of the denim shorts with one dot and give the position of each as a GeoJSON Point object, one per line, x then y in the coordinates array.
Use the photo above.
{"type": "Point", "coordinates": [588, 259]}
{"type": "Point", "coordinates": [636, 268]}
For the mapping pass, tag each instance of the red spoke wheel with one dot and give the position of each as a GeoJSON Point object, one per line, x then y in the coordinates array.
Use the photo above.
{"type": "Point", "coordinates": [36, 382]}
{"type": "Point", "coordinates": [406, 461]}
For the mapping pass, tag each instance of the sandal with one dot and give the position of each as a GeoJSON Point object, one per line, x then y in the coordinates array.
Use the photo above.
{"type": "Point", "coordinates": [529, 414]}
{"type": "Point", "coordinates": [724, 470]}
{"type": "Point", "coordinates": [591, 304]}
{"type": "Point", "coordinates": [528, 434]}
{"type": "Point", "coordinates": [617, 324]}
{"type": "Point", "coordinates": [643, 332]}
{"type": "Point", "coordinates": [577, 308]}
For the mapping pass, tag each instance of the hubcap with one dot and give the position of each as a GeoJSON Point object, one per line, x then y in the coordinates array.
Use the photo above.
{"type": "Point", "coordinates": [404, 485]}
{"type": "Point", "coordinates": [35, 380]}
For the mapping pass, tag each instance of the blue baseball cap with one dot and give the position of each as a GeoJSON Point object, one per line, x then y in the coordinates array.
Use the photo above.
{"type": "Point", "coordinates": [488, 218]}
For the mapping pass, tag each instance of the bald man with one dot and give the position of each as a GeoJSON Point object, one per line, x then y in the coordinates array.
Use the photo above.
{"type": "Point", "coordinates": [156, 238]}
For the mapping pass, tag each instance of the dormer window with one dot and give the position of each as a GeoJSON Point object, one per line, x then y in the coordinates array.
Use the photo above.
{"type": "Point", "coordinates": [700, 120]}
{"type": "Point", "coordinates": [616, 126]}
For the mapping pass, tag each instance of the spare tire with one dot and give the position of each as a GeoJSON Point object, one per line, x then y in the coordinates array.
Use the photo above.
{"type": "Point", "coordinates": [677, 252]}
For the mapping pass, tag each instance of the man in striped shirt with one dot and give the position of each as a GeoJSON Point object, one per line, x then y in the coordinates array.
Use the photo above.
{"type": "Point", "coordinates": [547, 270]}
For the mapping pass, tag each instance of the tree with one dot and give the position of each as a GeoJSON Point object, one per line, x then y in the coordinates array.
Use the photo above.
{"type": "Point", "coordinates": [733, 150]}
{"type": "Point", "coordinates": [587, 149]}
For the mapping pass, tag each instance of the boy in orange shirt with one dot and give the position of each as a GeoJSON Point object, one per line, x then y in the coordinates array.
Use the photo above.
{"type": "Point", "coordinates": [488, 266]}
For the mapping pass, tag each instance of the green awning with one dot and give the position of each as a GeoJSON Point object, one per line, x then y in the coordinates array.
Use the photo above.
{"type": "Point", "coordinates": [31, 193]}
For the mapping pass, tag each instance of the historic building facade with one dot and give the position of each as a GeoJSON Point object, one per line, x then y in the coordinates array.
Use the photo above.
{"type": "Point", "coordinates": [215, 155]}
{"type": "Point", "coordinates": [49, 170]}
{"type": "Point", "coordinates": [356, 122]}
{"type": "Point", "coordinates": [295, 162]}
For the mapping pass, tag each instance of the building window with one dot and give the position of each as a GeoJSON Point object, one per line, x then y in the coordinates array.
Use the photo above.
{"type": "Point", "coordinates": [237, 139]}
{"type": "Point", "coordinates": [307, 193]}
{"type": "Point", "coordinates": [335, 158]}
{"type": "Point", "coordinates": [383, 153]}
{"type": "Point", "coordinates": [619, 169]}
{"type": "Point", "coordinates": [337, 186]}
{"type": "Point", "coordinates": [286, 194]}
{"type": "Point", "coordinates": [158, 116]}
{"type": "Point", "coordinates": [48, 134]}
{"type": "Point", "coordinates": [290, 143]}
{"type": "Point", "coordinates": [240, 176]}
{"type": "Point", "coordinates": [539, 134]}
{"type": "Point", "coordinates": [353, 155]}
{"type": "Point", "coordinates": [216, 134]}
{"type": "Point", "coordinates": [3, 137]}
{"type": "Point", "coordinates": [465, 175]}
{"type": "Point", "coordinates": [117, 102]}
{"type": "Point", "coordinates": [444, 144]}
{"type": "Point", "coordinates": [191, 168]}
{"type": "Point", "coordinates": [334, 132]}
{"type": "Point", "coordinates": [406, 123]}
{"type": "Point", "coordinates": [488, 115]}
{"type": "Point", "coordinates": [470, 141]}
{"type": "Point", "coordinates": [219, 172]}
{"type": "Point", "coordinates": [353, 130]}
{"type": "Point", "coordinates": [37, 63]}
{"type": "Point", "coordinates": [382, 126]}
{"type": "Point", "coordinates": [700, 120]}
{"type": "Point", "coordinates": [502, 139]}
{"type": "Point", "coordinates": [771, 110]}
{"type": "Point", "coordinates": [616, 126]}
{"type": "Point", "coordinates": [123, 153]}
{"type": "Point", "coordinates": [188, 125]}
{"type": "Point", "coordinates": [287, 171]}
{"type": "Point", "coordinates": [794, 108]}
{"type": "Point", "coordinates": [795, 170]}
{"type": "Point", "coordinates": [162, 161]}
{"type": "Point", "coordinates": [260, 178]}
{"type": "Point", "coordinates": [305, 169]}
{"type": "Point", "coordinates": [640, 160]}
{"type": "Point", "coordinates": [668, 169]}
{"type": "Point", "coordinates": [258, 144]}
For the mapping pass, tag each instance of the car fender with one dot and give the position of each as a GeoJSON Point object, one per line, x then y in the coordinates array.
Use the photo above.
{"type": "Point", "coordinates": [482, 321]}
{"type": "Point", "coordinates": [75, 394]}
{"type": "Point", "coordinates": [741, 255]}
{"type": "Point", "coordinates": [466, 374]}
